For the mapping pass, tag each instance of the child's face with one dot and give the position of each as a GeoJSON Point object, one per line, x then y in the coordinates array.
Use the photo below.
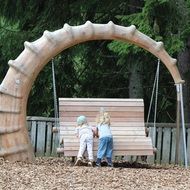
{"type": "Point", "coordinates": [101, 119]}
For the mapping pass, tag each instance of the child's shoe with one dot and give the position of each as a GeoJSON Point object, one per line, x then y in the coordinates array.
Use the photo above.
{"type": "Point", "coordinates": [98, 162]}
{"type": "Point", "coordinates": [98, 165]}
{"type": "Point", "coordinates": [110, 165]}
{"type": "Point", "coordinates": [109, 160]}
{"type": "Point", "coordinates": [78, 162]}
{"type": "Point", "coordinates": [90, 164]}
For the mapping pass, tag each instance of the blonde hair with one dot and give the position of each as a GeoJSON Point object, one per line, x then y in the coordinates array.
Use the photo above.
{"type": "Point", "coordinates": [103, 117]}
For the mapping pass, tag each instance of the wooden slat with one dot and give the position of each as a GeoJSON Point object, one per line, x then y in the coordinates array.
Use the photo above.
{"type": "Point", "coordinates": [29, 127]}
{"type": "Point", "coordinates": [33, 134]}
{"type": "Point", "coordinates": [48, 139]}
{"type": "Point", "coordinates": [159, 145]}
{"type": "Point", "coordinates": [116, 153]}
{"type": "Point", "coordinates": [41, 138]}
{"type": "Point", "coordinates": [100, 104]}
{"type": "Point", "coordinates": [97, 109]}
{"type": "Point", "coordinates": [63, 129]}
{"type": "Point", "coordinates": [115, 148]}
{"type": "Point", "coordinates": [181, 149]}
{"type": "Point", "coordinates": [113, 124]}
{"type": "Point", "coordinates": [133, 118]}
{"type": "Point", "coordinates": [188, 146]}
{"type": "Point", "coordinates": [116, 139]}
{"type": "Point", "coordinates": [100, 99]}
{"type": "Point", "coordinates": [166, 146]}
{"type": "Point", "coordinates": [114, 133]}
{"type": "Point", "coordinates": [124, 144]}
{"type": "Point", "coordinates": [150, 159]}
{"type": "Point", "coordinates": [92, 119]}
{"type": "Point", "coordinates": [119, 114]}
{"type": "Point", "coordinates": [173, 146]}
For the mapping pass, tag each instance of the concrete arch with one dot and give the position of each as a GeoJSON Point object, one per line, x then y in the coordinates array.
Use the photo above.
{"type": "Point", "coordinates": [15, 88]}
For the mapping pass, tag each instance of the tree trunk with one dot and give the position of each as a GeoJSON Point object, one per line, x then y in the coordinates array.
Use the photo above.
{"type": "Point", "coordinates": [135, 81]}
{"type": "Point", "coordinates": [184, 67]}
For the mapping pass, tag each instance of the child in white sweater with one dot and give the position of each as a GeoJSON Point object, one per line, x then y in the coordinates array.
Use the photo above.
{"type": "Point", "coordinates": [85, 133]}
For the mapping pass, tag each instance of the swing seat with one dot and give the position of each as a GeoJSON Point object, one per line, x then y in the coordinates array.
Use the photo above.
{"type": "Point", "coordinates": [127, 124]}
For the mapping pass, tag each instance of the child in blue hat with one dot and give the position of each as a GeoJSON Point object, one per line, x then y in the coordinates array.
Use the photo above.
{"type": "Point", "coordinates": [85, 133]}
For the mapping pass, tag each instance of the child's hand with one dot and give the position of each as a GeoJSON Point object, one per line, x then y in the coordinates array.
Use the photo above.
{"type": "Point", "coordinates": [94, 131]}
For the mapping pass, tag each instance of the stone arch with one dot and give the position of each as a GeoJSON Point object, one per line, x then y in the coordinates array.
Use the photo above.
{"type": "Point", "coordinates": [15, 88]}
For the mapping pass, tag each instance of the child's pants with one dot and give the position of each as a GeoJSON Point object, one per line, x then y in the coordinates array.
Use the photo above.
{"type": "Point", "coordinates": [86, 141]}
{"type": "Point", "coordinates": [105, 147]}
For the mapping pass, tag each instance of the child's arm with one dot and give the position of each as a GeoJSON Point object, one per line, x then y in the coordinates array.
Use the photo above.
{"type": "Point", "coordinates": [96, 132]}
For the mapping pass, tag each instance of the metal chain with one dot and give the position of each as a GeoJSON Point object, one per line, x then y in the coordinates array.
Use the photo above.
{"type": "Point", "coordinates": [156, 80]}
{"type": "Point", "coordinates": [153, 90]}
{"type": "Point", "coordinates": [156, 103]}
{"type": "Point", "coordinates": [56, 114]}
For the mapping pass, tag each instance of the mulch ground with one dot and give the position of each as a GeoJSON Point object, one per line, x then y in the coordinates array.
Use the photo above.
{"type": "Point", "coordinates": [59, 174]}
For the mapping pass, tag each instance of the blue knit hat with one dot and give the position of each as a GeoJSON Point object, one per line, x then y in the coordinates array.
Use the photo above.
{"type": "Point", "coordinates": [81, 120]}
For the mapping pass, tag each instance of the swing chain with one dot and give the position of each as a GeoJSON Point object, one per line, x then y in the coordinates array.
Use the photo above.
{"type": "Point", "coordinates": [56, 115]}
{"type": "Point", "coordinates": [156, 80]}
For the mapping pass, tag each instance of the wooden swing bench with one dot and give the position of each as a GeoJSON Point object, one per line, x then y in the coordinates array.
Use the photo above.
{"type": "Point", "coordinates": [127, 124]}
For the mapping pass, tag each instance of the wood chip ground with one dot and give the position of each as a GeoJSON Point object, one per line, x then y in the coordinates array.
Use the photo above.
{"type": "Point", "coordinates": [59, 174]}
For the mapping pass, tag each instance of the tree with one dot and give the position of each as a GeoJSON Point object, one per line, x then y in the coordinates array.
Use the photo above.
{"type": "Point", "coordinates": [119, 69]}
{"type": "Point", "coordinates": [161, 20]}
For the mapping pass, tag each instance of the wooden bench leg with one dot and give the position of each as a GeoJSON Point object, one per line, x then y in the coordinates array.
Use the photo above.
{"type": "Point", "coordinates": [73, 159]}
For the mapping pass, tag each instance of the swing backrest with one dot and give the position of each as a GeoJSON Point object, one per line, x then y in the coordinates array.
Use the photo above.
{"type": "Point", "coordinates": [127, 124]}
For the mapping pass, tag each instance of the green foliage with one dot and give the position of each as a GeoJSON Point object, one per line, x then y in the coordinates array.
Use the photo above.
{"type": "Point", "coordinates": [98, 68]}
{"type": "Point", "coordinates": [161, 20]}
{"type": "Point", "coordinates": [174, 44]}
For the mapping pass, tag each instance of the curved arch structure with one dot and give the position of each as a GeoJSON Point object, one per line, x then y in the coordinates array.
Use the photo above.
{"type": "Point", "coordinates": [14, 89]}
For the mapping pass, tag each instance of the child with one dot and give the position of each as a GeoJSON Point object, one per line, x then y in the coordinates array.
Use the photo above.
{"type": "Point", "coordinates": [85, 133]}
{"type": "Point", "coordinates": [105, 146]}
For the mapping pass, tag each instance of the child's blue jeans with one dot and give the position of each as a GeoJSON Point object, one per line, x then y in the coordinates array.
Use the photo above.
{"type": "Point", "coordinates": [105, 147]}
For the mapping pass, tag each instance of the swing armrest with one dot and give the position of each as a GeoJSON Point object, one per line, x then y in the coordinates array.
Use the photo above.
{"type": "Point", "coordinates": [55, 129]}
{"type": "Point", "coordinates": [147, 131]}
{"type": "Point", "coordinates": [60, 150]}
{"type": "Point", "coordinates": [154, 150]}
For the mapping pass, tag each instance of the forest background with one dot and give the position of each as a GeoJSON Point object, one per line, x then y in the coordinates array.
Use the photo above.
{"type": "Point", "coordinates": [101, 69]}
